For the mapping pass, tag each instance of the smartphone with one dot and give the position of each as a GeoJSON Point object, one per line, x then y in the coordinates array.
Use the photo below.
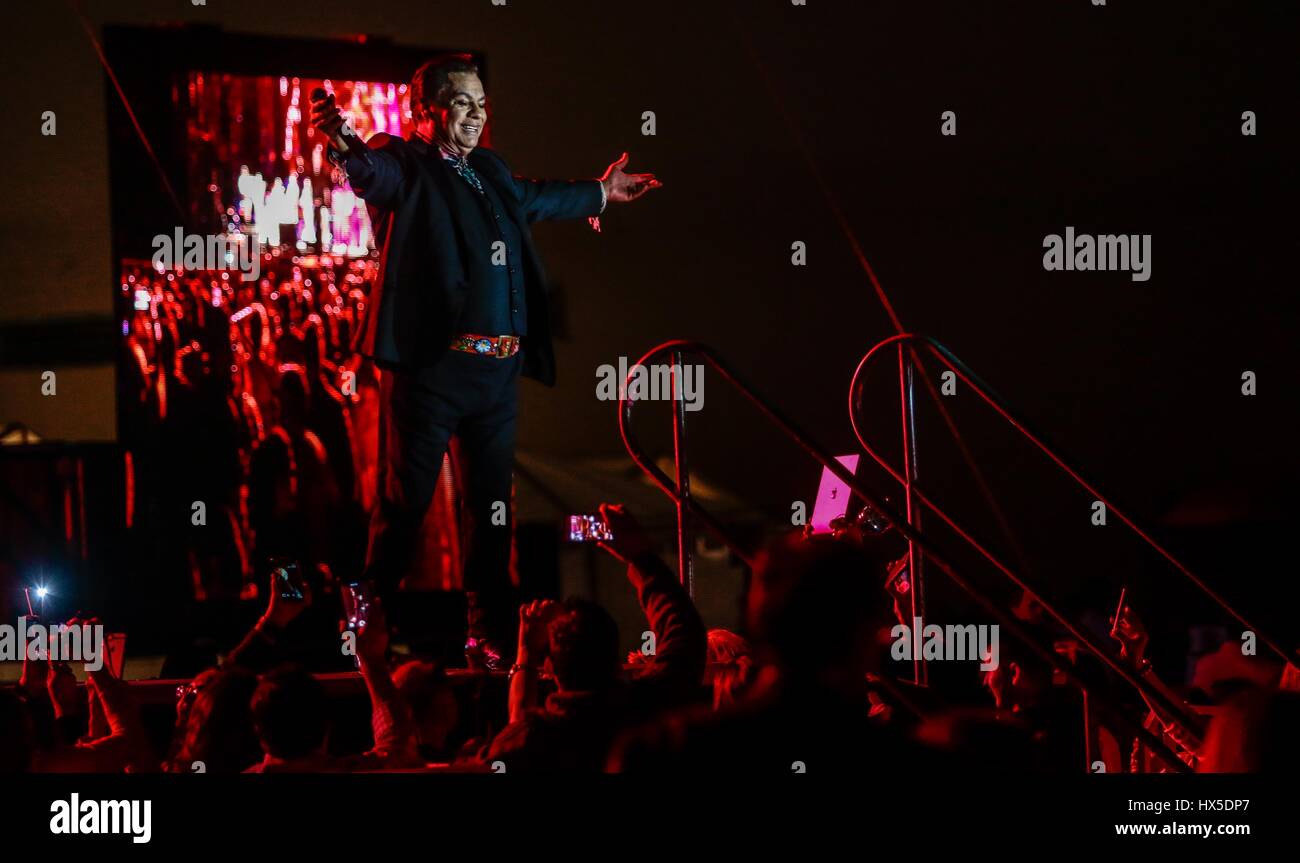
{"type": "Point", "coordinates": [357, 596]}
{"type": "Point", "coordinates": [288, 581]}
{"type": "Point", "coordinates": [589, 527]}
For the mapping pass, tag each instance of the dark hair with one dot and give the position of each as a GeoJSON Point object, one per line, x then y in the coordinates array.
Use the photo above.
{"type": "Point", "coordinates": [289, 713]}
{"type": "Point", "coordinates": [218, 729]}
{"type": "Point", "coordinates": [815, 599]}
{"type": "Point", "coordinates": [427, 691]}
{"type": "Point", "coordinates": [731, 667]}
{"type": "Point", "coordinates": [430, 82]}
{"type": "Point", "coordinates": [584, 646]}
{"type": "Point", "coordinates": [421, 684]}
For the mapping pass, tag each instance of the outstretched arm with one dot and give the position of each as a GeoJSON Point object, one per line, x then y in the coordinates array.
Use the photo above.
{"type": "Point", "coordinates": [1132, 635]}
{"type": "Point", "coordinates": [572, 199]}
{"type": "Point", "coordinates": [558, 199]}
{"type": "Point", "coordinates": [260, 648]}
{"type": "Point", "coordinates": [391, 719]}
{"type": "Point", "coordinates": [681, 641]}
{"type": "Point", "coordinates": [125, 744]}
{"type": "Point", "coordinates": [534, 618]}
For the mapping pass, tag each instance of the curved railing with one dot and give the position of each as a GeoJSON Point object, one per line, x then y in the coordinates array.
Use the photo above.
{"type": "Point", "coordinates": [678, 489]}
{"type": "Point", "coordinates": [967, 377]}
{"type": "Point", "coordinates": [906, 347]}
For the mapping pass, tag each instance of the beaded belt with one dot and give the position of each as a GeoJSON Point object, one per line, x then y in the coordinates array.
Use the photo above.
{"type": "Point", "coordinates": [486, 346]}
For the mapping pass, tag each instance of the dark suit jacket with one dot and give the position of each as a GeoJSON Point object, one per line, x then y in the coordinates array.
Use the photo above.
{"type": "Point", "coordinates": [424, 225]}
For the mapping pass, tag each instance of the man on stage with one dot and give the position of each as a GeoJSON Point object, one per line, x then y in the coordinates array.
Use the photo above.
{"type": "Point", "coordinates": [458, 312]}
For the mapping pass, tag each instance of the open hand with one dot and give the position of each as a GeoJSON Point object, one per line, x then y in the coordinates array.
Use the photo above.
{"type": "Point", "coordinates": [629, 540]}
{"type": "Point", "coordinates": [534, 622]}
{"type": "Point", "coordinates": [621, 187]}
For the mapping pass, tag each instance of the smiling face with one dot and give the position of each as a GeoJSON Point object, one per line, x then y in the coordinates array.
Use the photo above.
{"type": "Point", "coordinates": [461, 113]}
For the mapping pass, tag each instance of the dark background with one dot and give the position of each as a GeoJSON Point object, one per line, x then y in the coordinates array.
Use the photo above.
{"type": "Point", "coordinates": [1117, 119]}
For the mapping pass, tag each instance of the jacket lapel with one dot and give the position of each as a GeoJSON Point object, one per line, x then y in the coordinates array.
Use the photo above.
{"type": "Point", "coordinates": [489, 171]}
{"type": "Point", "coordinates": [456, 192]}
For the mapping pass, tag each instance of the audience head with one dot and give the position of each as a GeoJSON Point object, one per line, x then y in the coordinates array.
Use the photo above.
{"type": "Point", "coordinates": [217, 726]}
{"type": "Point", "coordinates": [814, 603]}
{"type": "Point", "coordinates": [289, 713]}
{"type": "Point", "coordinates": [425, 688]}
{"type": "Point", "coordinates": [1019, 681]}
{"type": "Point", "coordinates": [731, 666]}
{"type": "Point", "coordinates": [583, 646]}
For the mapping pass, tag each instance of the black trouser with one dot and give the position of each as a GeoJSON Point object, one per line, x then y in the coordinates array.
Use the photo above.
{"type": "Point", "coordinates": [476, 399]}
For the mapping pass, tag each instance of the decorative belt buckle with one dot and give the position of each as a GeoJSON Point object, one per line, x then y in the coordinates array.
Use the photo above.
{"type": "Point", "coordinates": [504, 346]}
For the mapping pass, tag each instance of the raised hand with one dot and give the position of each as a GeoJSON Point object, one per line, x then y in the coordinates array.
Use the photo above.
{"type": "Point", "coordinates": [1132, 635]}
{"type": "Point", "coordinates": [328, 119]}
{"type": "Point", "coordinates": [629, 539]}
{"type": "Point", "coordinates": [534, 619]}
{"type": "Point", "coordinates": [621, 187]}
{"type": "Point", "coordinates": [372, 639]}
{"type": "Point", "coordinates": [281, 611]}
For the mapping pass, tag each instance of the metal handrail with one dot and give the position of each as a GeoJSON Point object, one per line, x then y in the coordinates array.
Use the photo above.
{"type": "Point", "coordinates": [679, 491]}
{"type": "Point", "coordinates": [906, 344]}
{"type": "Point", "coordinates": [977, 385]}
